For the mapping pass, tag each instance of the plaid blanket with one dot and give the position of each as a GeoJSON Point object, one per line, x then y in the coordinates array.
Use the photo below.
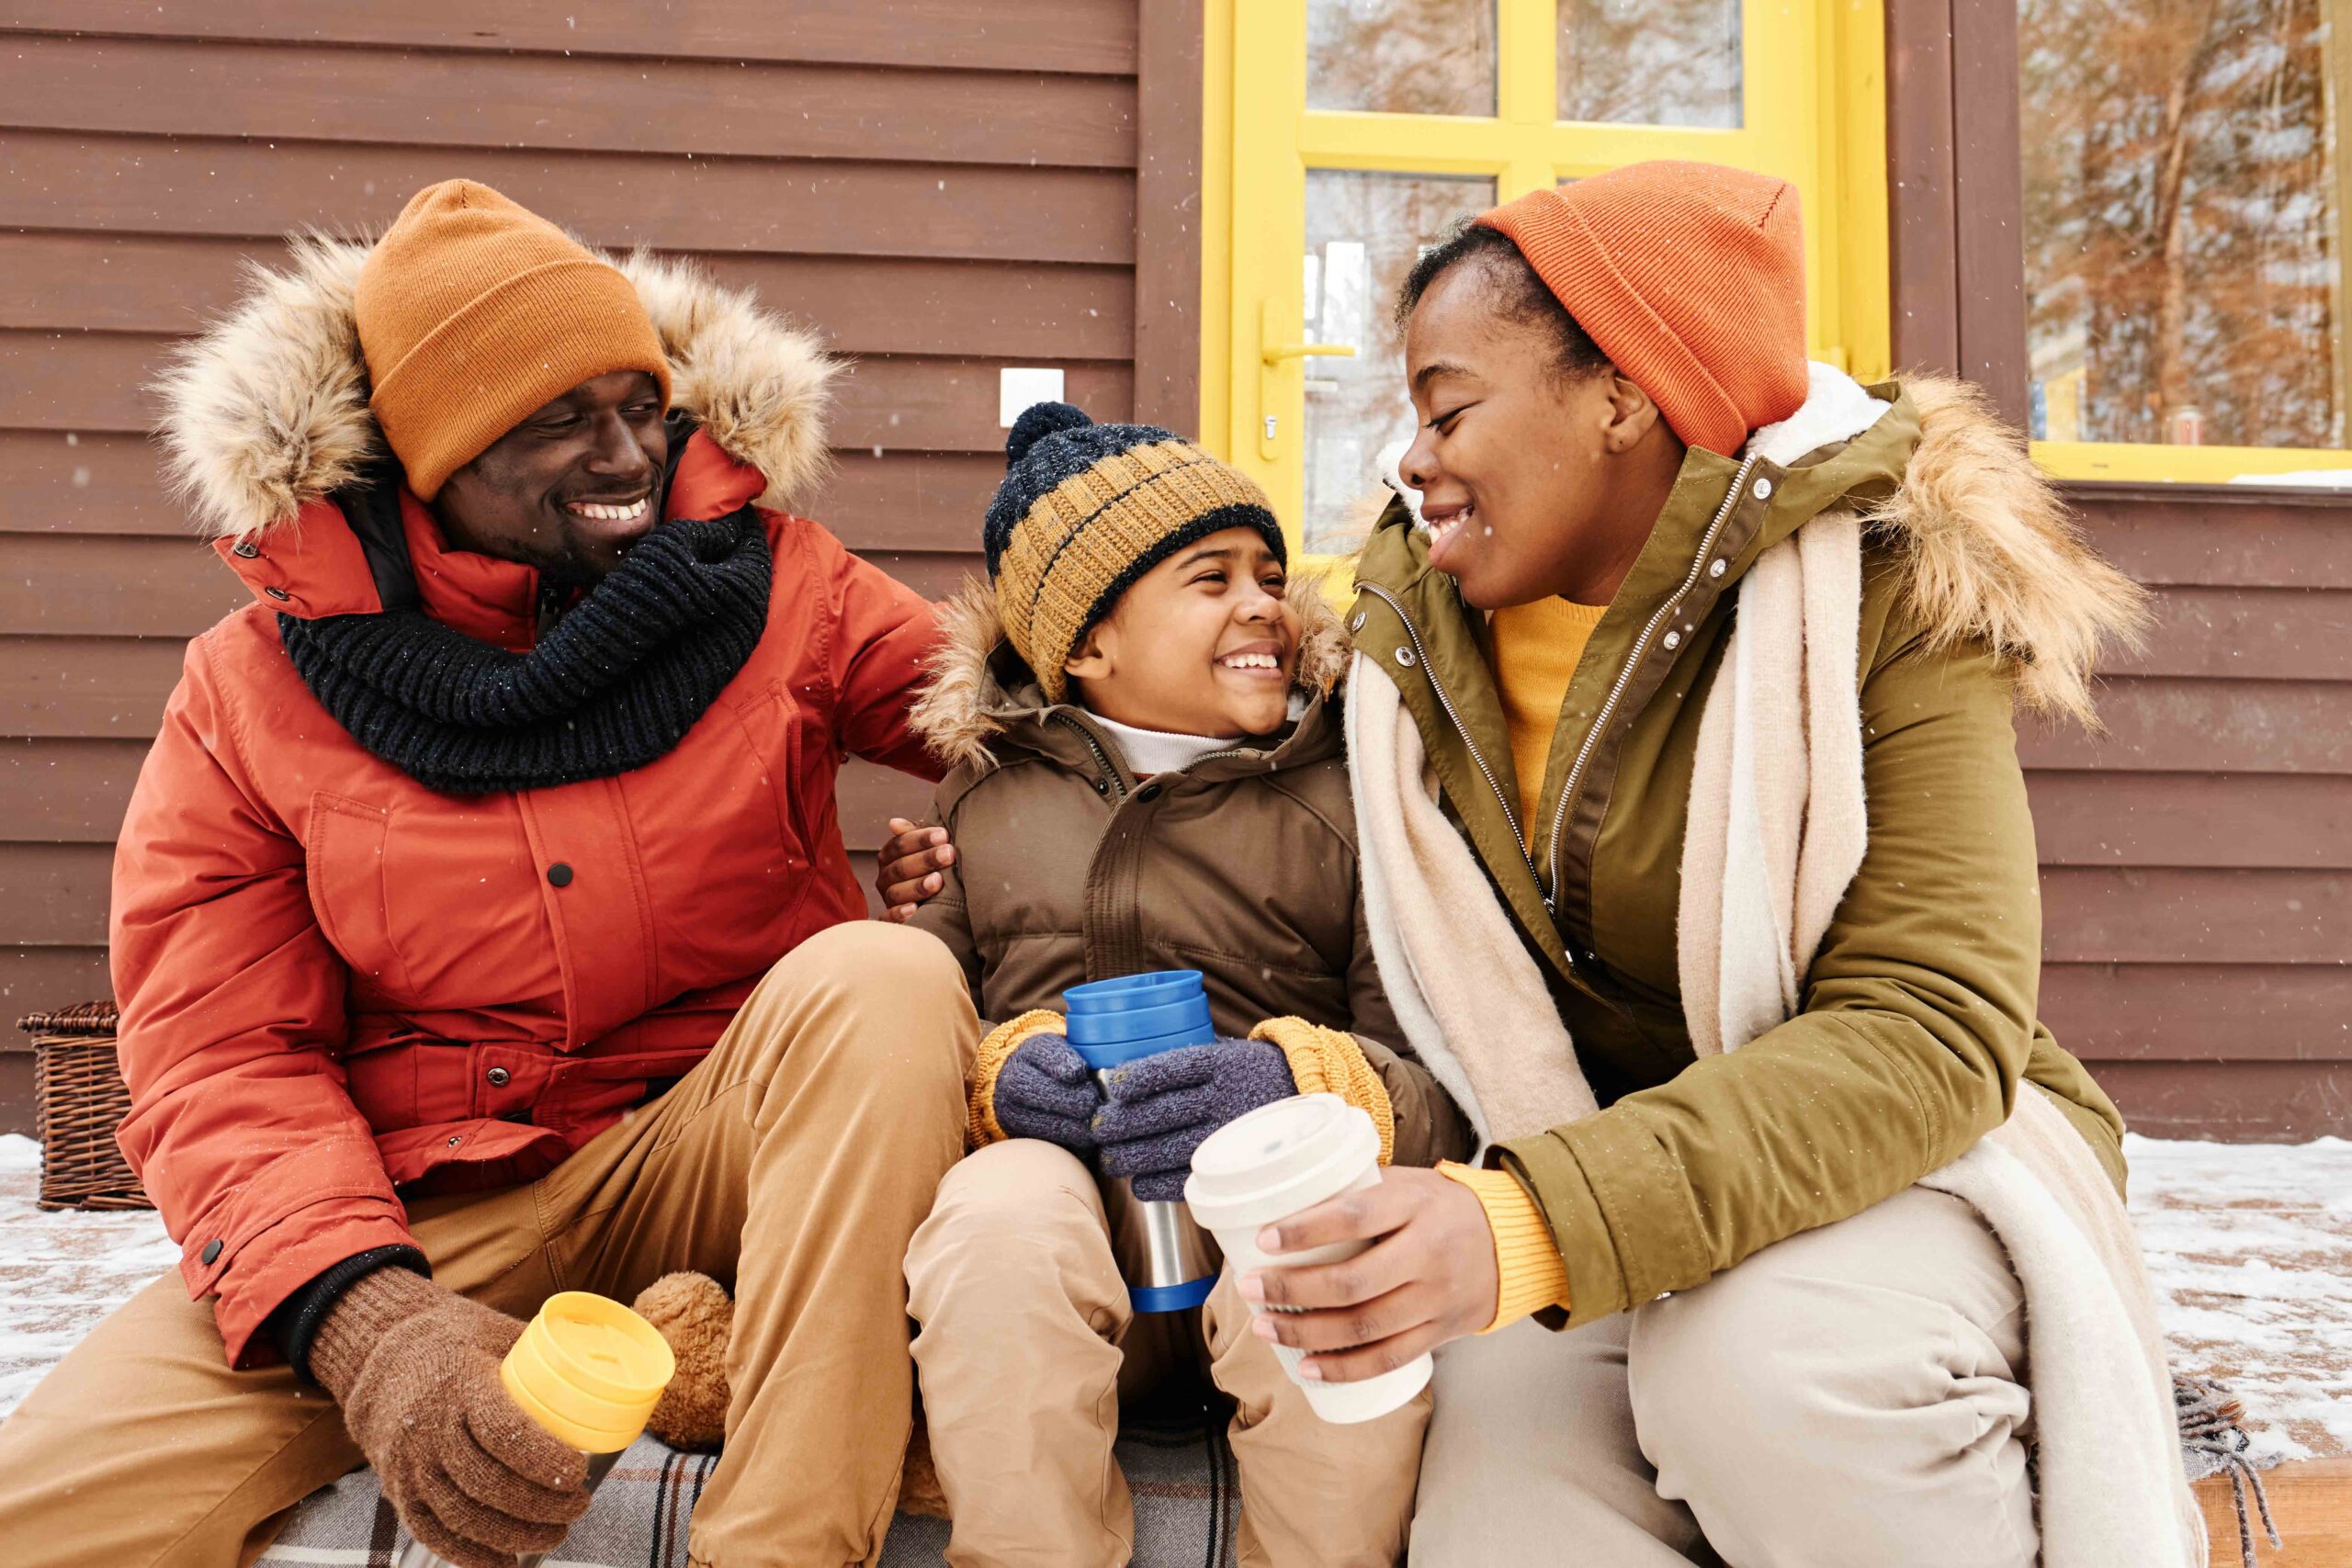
{"type": "Point", "coordinates": [1187, 1503]}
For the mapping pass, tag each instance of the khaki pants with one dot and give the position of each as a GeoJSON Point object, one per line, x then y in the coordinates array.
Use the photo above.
{"type": "Point", "coordinates": [1026, 1343]}
{"type": "Point", "coordinates": [1852, 1395]}
{"type": "Point", "coordinates": [794, 1162]}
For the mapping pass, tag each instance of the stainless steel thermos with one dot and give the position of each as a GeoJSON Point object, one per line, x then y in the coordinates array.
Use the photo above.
{"type": "Point", "coordinates": [1169, 1262]}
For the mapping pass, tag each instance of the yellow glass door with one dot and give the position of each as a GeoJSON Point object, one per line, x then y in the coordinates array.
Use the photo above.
{"type": "Point", "coordinates": [1346, 135]}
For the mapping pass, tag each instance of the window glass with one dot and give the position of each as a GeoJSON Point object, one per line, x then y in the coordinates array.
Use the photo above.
{"type": "Point", "coordinates": [1651, 62]}
{"type": "Point", "coordinates": [2184, 263]}
{"type": "Point", "coordinates": [1401, 56]}
{"type": "Point", "coordinates": [1364, 233]}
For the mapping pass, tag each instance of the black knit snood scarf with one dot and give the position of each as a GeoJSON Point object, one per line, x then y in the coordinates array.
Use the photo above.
{"type": "Point", "coordinates": [616, 684]}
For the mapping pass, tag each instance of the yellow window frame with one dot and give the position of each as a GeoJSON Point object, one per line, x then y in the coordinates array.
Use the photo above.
{"type": "Point", "coordinates": [1814, 113]}
{"type": "Point", "coordinates": [2150, 463]}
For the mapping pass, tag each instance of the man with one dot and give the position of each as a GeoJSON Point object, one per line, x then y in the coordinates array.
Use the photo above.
{"type": "Point", "coordinates": [448, 913]}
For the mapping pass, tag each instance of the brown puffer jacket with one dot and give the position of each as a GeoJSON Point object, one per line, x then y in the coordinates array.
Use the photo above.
{"type": "Point", "coordinates": [1242, 866]}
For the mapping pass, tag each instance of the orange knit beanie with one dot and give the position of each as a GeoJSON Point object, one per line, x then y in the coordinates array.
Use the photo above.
{"type": "Point", "coordinates": [473, 312]}
{"type": "Point", "coordinates": [1691, 277]}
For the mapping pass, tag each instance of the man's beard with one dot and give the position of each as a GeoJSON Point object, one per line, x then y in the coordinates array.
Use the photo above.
{"type": "Point", "coordinates": [569, 569]}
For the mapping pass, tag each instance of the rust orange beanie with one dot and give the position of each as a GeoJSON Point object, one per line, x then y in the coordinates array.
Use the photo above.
{"type": "Point", "coordinates": [1689, 277]}
{"type": "Point", "coordinates": [473, 312]}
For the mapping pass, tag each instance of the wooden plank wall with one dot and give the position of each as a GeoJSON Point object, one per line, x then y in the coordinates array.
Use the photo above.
{"type": "Point", "coordinates": [2197, 859]}
{"type": "Point", "coordinates": [943, 188]}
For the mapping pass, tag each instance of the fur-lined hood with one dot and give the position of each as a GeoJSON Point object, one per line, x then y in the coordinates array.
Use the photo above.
{"type": "Point", "coordinates": [978, 689]}
{"type": "Point", "coordinates": [267, 411]}
{"type": "Point", "coordinates": [1989, 553]}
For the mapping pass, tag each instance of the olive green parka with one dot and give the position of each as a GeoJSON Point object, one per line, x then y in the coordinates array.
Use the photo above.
{"type": "Point", "coordinates": [1918, 1026]}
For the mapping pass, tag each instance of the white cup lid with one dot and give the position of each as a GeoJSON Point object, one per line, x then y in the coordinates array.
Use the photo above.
{"type": "Point", "coordinates": [1280, 1158]}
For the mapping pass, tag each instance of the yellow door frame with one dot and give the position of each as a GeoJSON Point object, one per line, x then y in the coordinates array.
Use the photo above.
{"type": "Point", "coordinates": [1814, 83]}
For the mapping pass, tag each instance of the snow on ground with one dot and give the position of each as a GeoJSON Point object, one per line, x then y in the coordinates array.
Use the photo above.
{"type": "Point", "coordinates": [2250, 1246]}
{"type": "Point", "coordinates": [61, 1272]}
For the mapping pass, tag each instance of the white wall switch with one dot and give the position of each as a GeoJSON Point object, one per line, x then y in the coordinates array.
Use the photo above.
{"type": "Point", "coordinates": [1019, 386]}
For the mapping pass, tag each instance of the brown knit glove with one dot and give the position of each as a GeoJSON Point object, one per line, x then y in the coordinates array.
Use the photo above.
{"type": "Point", "coordinates": [415, 1369]}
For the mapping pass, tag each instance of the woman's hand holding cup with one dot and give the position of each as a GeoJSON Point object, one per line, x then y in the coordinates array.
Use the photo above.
{"type": "Point", "coordinates": [1428, 1277]}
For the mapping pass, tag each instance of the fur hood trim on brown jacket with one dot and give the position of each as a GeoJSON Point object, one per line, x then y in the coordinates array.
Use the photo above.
{"type": "Point", "coordinates": [967, 704]}
{"type": "Point", "coordinates": [267, 411]}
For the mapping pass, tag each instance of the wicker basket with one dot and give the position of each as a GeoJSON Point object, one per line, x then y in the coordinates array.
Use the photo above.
{"type": "Point", "coordinates": [78, 1101]}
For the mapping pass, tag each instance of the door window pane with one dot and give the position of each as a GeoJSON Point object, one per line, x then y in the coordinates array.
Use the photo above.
{"type": "Point", "coordinates": [1651, 62]}
{"type": "Point", "coordinates": [1364, 233]}
{"type": "Point", "coordinates": [1401, 56]}
{"type": "Point", "coordinates": [2183, 258]}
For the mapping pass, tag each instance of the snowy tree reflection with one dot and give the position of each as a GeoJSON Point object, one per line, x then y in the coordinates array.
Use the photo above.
{"type": "Point", "coordinates": [1401, 56]}
{"type": "Point", "coordinates": [2183, 261]}
{"type": "Point", "coordinates": [1651, 62]}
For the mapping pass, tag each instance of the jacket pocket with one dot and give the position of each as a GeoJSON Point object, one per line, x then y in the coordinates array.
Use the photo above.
{"type": "Point", "coordinates": [768, 723]}
{"type": "Point", "coordinates": [343, 853]}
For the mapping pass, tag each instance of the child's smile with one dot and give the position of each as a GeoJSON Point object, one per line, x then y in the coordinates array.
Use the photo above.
{"type": "Point", "coordinates": [1203, 644]}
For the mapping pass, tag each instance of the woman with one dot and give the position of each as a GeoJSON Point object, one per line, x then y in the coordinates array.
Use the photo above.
{"type": "Point", "coordinates": [1621, 441]}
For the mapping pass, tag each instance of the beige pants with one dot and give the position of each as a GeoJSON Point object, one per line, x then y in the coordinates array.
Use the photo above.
{"type": "Point", "coordinates": [794, 1162]}
{"type": "Point", "coordinates": [1026, 1344]}
{"type": "Point", "coordinates": [1852, 1396]}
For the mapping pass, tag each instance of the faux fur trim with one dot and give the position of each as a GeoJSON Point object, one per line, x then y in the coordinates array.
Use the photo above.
{"type": "Point", "coordinates": [963, 705]}
{"type": "Point", "coordinates": [267, 411]}
{"type": "Point", "coordinates": [1989, 552]}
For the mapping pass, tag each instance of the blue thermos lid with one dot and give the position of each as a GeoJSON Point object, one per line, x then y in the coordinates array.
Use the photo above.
{"type": "Point", "coordinates": [1112, 1021]}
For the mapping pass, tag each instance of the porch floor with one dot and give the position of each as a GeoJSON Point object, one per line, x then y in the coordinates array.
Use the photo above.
{"type": "Point", "coordinates": [2250, 1247]}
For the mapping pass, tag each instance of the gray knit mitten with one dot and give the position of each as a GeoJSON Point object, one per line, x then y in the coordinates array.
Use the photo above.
{"type": "Point", "coordinates": [1046, 1091]}
{"type": "Point", "coordinates": [1159, 1107]}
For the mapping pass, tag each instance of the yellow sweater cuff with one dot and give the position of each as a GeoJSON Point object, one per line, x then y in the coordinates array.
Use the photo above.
{"type": "Point", "coordinates": [1529, 1270]}
{"type": "Point", "coordinates": [994, 1052]}
{"type": "Point", "coordinates": [1328, 1061]}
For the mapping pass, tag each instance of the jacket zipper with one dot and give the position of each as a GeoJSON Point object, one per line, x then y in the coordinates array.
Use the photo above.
{"type": "Point", "coordinates": [1102, 758]}
{"type": "Point", "coordinates": [1502, 796]}
{"type": "Point", "coordinates": [1624, 676]}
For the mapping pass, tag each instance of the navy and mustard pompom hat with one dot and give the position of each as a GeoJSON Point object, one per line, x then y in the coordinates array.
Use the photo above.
{"type": "Point", "coordinates": [1086, 509]}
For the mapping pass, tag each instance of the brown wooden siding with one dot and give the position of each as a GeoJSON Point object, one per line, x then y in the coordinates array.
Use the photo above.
{"type": "Point", "coordinates": [942, 188]}
{"type": "Point", "coordinates": [2197, 859]}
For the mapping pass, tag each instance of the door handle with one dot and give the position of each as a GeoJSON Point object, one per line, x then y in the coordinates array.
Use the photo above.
{"type": "Point", "coordinates": [1274, 356]}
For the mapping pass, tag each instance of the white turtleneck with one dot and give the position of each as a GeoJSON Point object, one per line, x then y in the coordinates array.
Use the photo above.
{"type": "Point", "coordinates": [1149, 751]}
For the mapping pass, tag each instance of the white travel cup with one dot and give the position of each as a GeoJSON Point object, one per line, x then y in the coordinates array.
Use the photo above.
{"type": "Point", "coordinates": [1268, 1165]}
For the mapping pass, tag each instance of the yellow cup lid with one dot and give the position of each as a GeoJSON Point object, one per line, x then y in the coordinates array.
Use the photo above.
{"type": "Point", "coordinates": [588, 1371]}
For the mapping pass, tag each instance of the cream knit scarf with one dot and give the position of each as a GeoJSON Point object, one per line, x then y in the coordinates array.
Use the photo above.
{"type": "Point", "coordinates": [1778, 826]}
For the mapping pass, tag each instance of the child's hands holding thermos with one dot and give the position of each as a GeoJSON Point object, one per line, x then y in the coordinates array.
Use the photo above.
{"type": "Point", "coordinates": [1158, 1109]}
{"type": "Point", "coordinates": [1046, 1091]}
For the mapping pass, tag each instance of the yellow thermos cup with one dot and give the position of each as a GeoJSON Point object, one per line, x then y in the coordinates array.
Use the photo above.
{"type": "Point", "coordinates": [588, 1370]}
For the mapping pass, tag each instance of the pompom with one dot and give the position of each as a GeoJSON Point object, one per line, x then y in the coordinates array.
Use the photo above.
{"type": "Point", "coordinates": [1037, 422]}
{"type": "Point", "coordinates": [694, 1313]}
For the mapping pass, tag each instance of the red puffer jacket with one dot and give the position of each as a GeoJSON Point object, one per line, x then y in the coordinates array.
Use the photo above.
{"type": "Point", "coordinates": [340, 989]}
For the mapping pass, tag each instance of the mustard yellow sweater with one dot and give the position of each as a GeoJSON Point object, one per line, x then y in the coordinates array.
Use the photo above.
{"type": "Point", "coordinates": [1535, 649]}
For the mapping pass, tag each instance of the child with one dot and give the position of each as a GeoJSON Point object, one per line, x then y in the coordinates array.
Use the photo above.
{"type": "Point", "coordinates": [1148, 775]}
